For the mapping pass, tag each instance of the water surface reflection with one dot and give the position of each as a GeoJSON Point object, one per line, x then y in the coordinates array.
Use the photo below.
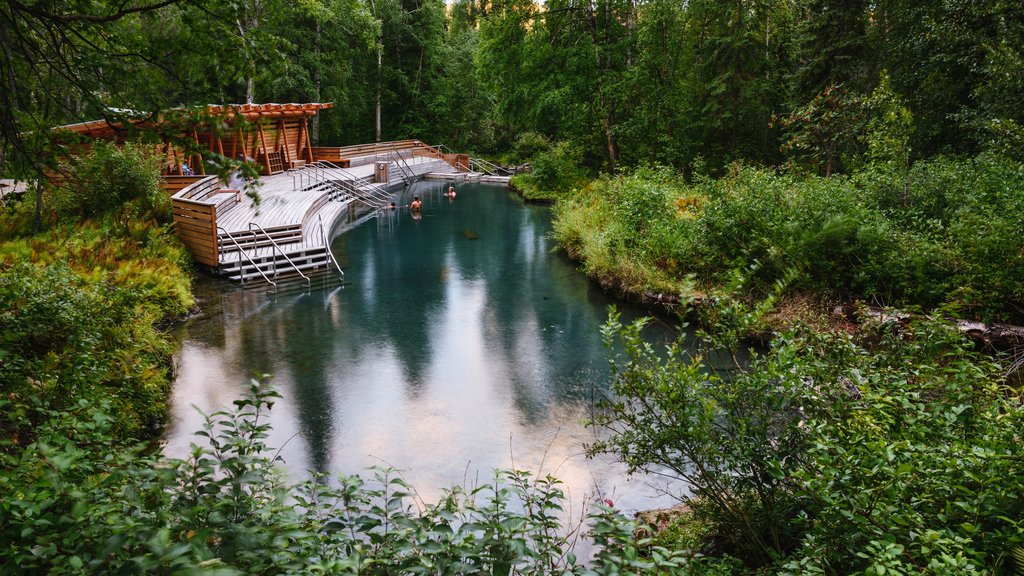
{"type": "Point", "coordinates": [462, 344]}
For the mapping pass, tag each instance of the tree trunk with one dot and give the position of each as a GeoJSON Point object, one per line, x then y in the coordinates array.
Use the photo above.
{"type": "Point", "coordinates": [603, 67]}
{"type": "Point", "coordinates": [1002, 337]}
{"type": "Point", "coordinates": [380, 54]}
{"type": "Point", "coordinates": [314, 128]}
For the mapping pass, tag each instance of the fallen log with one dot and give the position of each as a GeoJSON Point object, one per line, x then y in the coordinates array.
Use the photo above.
{"type": "Point", "coordinates": [999, 337]}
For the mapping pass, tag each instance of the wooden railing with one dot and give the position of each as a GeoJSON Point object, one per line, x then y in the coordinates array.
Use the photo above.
{"type": "Point", "coordinates": [342, 154]}
{"type": "Point", "coordinates": [195, 219]}
{"type": "Point", "coordinates": [172, 183]}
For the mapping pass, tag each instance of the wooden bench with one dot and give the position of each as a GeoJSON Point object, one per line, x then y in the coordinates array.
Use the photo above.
{"type": "Point", "coordinates": [225, 195]}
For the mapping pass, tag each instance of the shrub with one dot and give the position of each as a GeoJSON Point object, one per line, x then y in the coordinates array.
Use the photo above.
{"type": "Point", "coordinates": [554, 172]}
{"type": "Point", "coordinates": [895, 451]}
{"type": "Point", "coordinates": [66, 338]}
{"type": "Point", "coordinates": [528, 146]}
{"type": "Point", "coordinates": [225, 510]}
{"type": "Point", "coordinates": [112, 178]}
{"type": "Point", "coordinates": [948, 235]}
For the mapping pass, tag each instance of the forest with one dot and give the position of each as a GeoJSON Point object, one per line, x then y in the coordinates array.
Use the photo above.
{"type": "Point", "coordinates": [761, 161]}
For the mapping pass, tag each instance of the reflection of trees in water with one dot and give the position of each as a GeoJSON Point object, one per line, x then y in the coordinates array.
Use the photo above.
{"type": "Point", "coordinates": [542, 341]}
{"type": "Point", "coordinates": [291, 331]}
{"type": "Point", "coordinates": [308, 353]}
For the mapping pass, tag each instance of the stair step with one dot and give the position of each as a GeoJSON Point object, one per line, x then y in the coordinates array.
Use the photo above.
{"type": "Point", "coordinates": [319, 279]}
{"type": "Point", "coordinates": [251, 274]}
{"type": "Point", "coordinates": [268, 261]}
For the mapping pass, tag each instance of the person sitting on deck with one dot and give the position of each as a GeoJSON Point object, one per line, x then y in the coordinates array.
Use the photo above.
{"type": "Point", "coordinates": [416, 205]}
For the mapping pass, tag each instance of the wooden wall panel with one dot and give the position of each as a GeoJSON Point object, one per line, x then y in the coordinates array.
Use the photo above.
{"type": "Point", "coordinates": [195, 224]}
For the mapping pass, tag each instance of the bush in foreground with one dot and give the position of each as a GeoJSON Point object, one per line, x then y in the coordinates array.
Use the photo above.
{"type": "Point", "coordinates": [898, 451]}
{"type": "Point", "coordinates": [72, 505]}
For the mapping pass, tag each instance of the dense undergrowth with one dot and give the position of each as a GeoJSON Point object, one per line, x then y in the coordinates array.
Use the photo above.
{"type": "Point", "coordinates": [75, 506]}
{"type": "Point", "coordinates": [80, 300]}
{"type": "Point", "coordinates": [946, 232]}
{"type": "Point", "coordinates": [893, 451]}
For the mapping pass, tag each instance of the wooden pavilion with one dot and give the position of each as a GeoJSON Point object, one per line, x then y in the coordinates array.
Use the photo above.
{"type": "Point", "coordinates": [274, 136]}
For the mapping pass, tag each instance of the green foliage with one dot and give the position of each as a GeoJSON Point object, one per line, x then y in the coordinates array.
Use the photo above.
{"type": "Point", "coordinates": [123, 178]}
{"type": "Point", "coordinates": [890, 126]}
{"type": "Point", "coordinates": [66, 338]}
{"type": "Point", "coordinates": [528, 146]}
{"type": "Point", "coordinates": [624, 230]}
{"type": "Point", "coordinates": [225, 510]}
{"type": "Point", "coordinates": [79, 304]}
{"type": "Point", "coordinates": [821, 133]}
{"type": "Point", "coordinates": [944, 232]}
{"type": "Point", "coordinates": [554, 172]}
{"type": "Point", "coordinates": [897, 451]}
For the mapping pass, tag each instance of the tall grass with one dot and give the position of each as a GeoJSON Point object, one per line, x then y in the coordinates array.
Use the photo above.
{"type": "Point", "coordinates": [951, 232]}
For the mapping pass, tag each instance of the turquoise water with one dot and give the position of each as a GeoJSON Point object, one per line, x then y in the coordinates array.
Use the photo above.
{"type": "Point", "coordinates": [461, 343]}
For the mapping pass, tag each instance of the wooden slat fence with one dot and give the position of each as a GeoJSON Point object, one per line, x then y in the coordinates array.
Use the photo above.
{"type": "Point", "coordinates": [342, 154]}
{"type": "Point", "coordinates": [195, 220]}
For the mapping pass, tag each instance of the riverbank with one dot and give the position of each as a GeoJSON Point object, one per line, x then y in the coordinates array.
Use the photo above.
{"type": "Point", "coordinates": [759, 238]}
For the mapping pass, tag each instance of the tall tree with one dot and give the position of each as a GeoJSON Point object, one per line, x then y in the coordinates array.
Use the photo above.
{"type": "Point", "coordinates": [950, 61]}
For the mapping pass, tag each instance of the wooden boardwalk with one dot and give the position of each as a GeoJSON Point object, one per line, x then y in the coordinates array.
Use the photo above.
{"type": "Point", "coordinates": [289, 229]}
{"type": "Point", "coordinates": [280, 203]}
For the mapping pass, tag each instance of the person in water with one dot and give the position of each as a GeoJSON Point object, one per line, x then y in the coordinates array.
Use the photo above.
{"type": "Point", "coordinates": [451, 192]}
{"type": "Point", "coordinates": [416, 205]}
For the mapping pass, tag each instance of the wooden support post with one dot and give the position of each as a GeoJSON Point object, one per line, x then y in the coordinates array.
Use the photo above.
{"type": "Point", "coordinates": [284, 133]}
{"type": "Point", "coordinates": [177, 161]}
{"type": "Point", "coordinates": [263, 142]}
{"type": "Point", "coordinates": [309, 147]}
{"type": "Point", "coordinates": [198, 168]}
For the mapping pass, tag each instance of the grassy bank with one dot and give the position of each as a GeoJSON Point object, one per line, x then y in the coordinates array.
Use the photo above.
{"type": "Point", "coordinates": [81, 300]}
{"type": "Point", "coordinates": [945, 233]}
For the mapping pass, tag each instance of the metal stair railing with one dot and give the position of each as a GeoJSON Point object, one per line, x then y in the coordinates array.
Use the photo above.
{"type": "Point", "coordinates": [379, 195]}
{"type": "Point", "coordinates": [316, 173]}
{"type": "Point", "coordinates": [434, 151]}
{"type": "Point", "coordinates": [488, 168]}
{"type": "Point", "coordinates": [278, 248]}
{"type": "Point", "coordinates": [327, 245]}
{"type": "Point", "coordinates": [403, 166]}
{"type": "Point", "coordinates": [242, 252]}
{"type": "Point", "coordinates": [307, 172]}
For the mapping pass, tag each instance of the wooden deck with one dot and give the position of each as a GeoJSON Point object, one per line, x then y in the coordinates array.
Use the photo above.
{"type": "Point", "coordinates": [280, 203]}
{"type": "Point", "coordinates": [290, 228]}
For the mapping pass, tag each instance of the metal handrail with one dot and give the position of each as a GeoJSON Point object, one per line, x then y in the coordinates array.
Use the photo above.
{"type": "Point", "coordinates": [296, 268]}
{"type": "Point", "coordinates": [378, 193]}
{"type": "Point", "coordinates": [407, 177]}
{"type": "Point", "coordinates": [434, 151]}
{"type": "Point", "coordinates": [327, 245]}
{"type": "Point", "coordinates": [489, 167]}
{"type": "Point", "coordinates": [241, 253]}
{"type": "Point", "coordinates": [316, 175]}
